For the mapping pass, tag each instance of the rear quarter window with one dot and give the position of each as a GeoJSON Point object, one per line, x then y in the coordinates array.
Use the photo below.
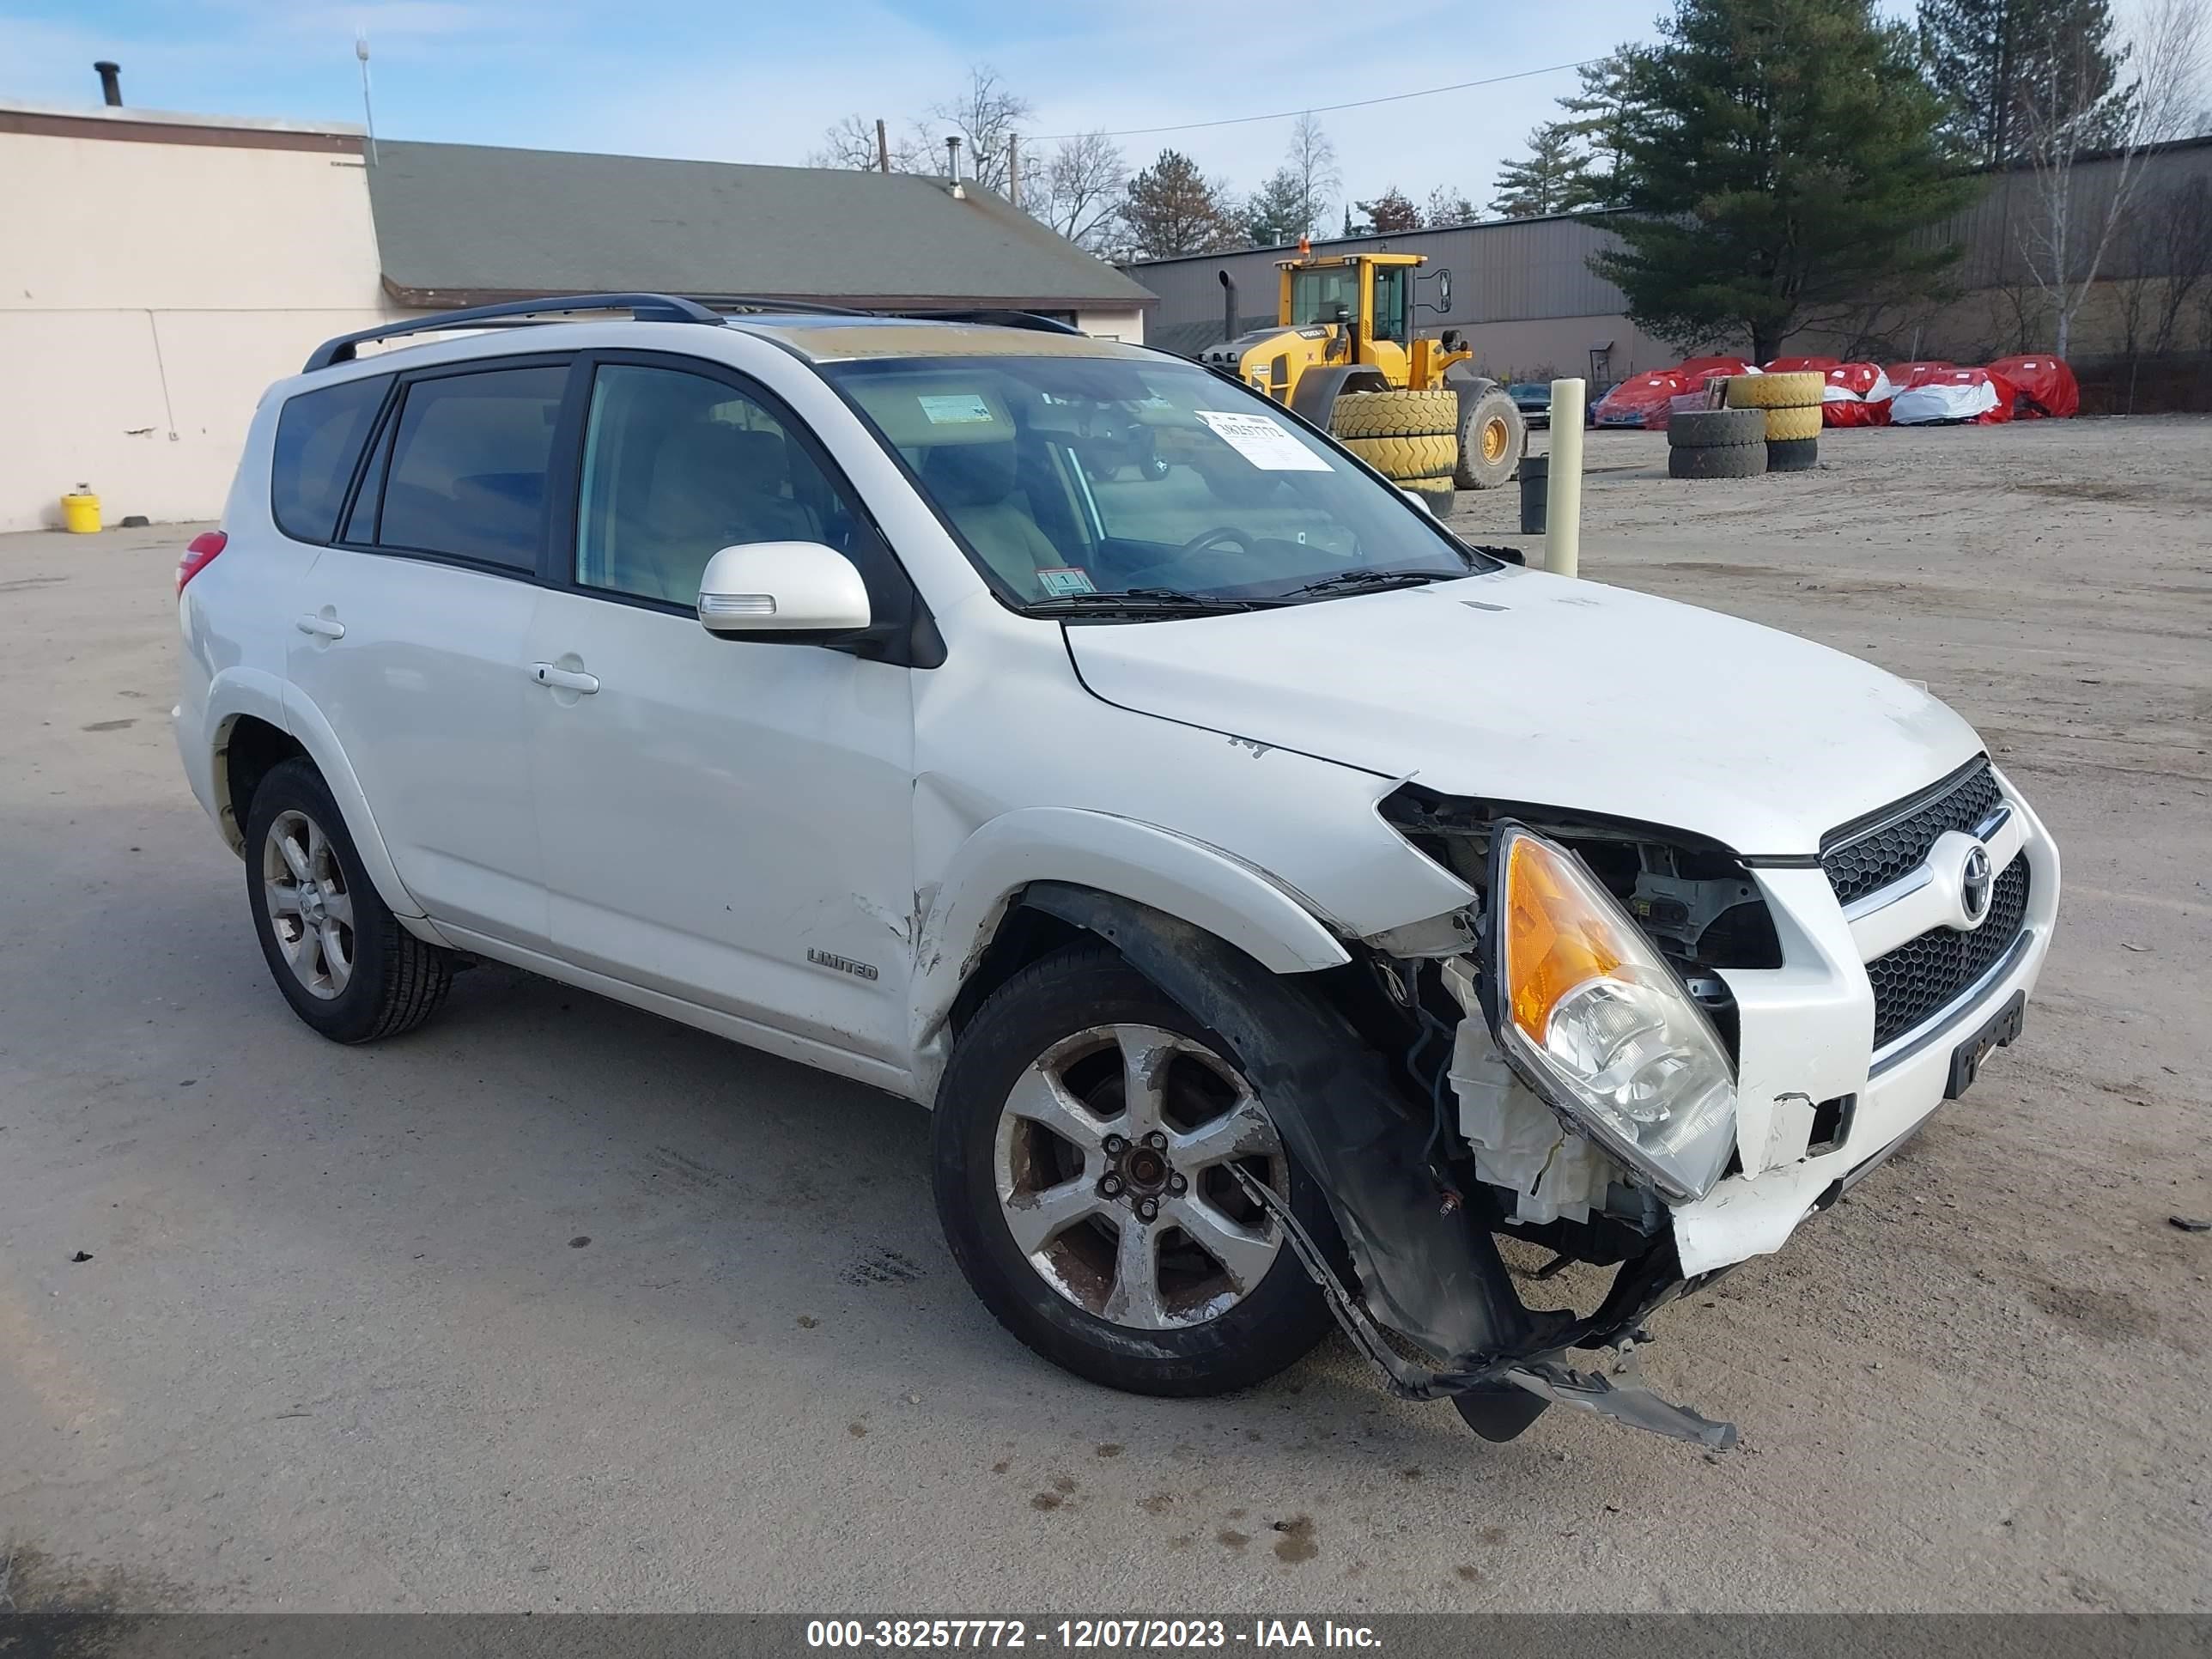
{"type": "Point", "coordinates": [320, 436]}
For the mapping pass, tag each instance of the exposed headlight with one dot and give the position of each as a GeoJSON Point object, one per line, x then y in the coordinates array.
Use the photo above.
{"type": "Point", "coordinates": [1599, 1024]}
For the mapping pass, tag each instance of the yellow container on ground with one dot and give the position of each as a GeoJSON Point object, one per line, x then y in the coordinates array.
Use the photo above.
{"type": "Point", "coordinates": [81, 512]}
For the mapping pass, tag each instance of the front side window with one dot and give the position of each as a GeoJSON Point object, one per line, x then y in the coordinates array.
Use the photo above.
{"type": "Point", "coordinates": [319, 439]}
{"type": "Point", "coordinates": [677, 466]}
{"type": "Point", "coordinates": [1069, 477]}
{"type": "Point", "coordinates": [1317, 294]}
{"type": "Point", "coordinates": [467, 474]}
{"type": "Point", "coordinates": [1390, 286]}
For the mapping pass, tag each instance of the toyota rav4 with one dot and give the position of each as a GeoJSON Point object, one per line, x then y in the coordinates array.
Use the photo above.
{"type": "Point", "coordinates": [1280, 901]}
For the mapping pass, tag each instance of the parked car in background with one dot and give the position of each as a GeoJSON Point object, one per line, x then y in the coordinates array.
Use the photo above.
{"type": "Point", "coordinates": [1534, 399]}
{"type": "Point", "coordinates": [1268, 890]}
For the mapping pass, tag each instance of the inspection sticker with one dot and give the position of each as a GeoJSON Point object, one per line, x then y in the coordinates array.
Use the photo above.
{"type": "Point", "coordinates": [1263, 440]}
{"type": "Point", "coordinates": [962, 409]}
{"type": "Point", "coordinates": [1063, 580]}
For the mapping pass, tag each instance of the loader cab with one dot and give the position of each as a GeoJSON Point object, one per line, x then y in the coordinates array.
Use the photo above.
{"type": "Point", "coordinates": [1370, 297]}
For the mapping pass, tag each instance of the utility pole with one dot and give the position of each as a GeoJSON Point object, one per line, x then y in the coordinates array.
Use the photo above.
{"type": "Point", "coordinates": [368, 110]}
{"type": "Point", "coordinates": [1013, 169]}
{"type": "Point", "coordinates": [883, 147]}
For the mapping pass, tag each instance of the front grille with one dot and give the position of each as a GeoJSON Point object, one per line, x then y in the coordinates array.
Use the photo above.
{"type": "Point", "coordinates": [1862, 863]}
{"type": "Point", "coordinates": [1916, 980]}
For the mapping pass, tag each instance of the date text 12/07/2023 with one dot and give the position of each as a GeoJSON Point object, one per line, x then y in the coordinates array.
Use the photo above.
{"type": "Point", "coordinates": [1088, 1634]}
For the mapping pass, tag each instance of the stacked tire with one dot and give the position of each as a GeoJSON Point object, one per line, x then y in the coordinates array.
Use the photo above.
{"type": "Point", "coordinates": [1411, 438]}
{"type": "Point", "coordinates": [1717, 443]}
{"type": "Point", "coordinates": [1791, 405]}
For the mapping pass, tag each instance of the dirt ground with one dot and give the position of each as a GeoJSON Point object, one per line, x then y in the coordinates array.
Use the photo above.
{"type": "Point", "coordinates": [341, 1342]}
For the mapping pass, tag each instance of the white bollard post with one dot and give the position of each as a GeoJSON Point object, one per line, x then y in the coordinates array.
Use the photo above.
{"type": "Point", "coordinates": [1563, 505]}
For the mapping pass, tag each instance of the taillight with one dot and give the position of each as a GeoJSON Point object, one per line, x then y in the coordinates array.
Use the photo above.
{"type": "Point", "coordinates": [200, 554]}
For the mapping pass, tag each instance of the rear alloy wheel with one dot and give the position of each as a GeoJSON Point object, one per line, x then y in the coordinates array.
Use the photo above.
{"type": "Point", "coordinates": [1085, 1136]}
{"type": "Point", "coordinates": [334, 948]}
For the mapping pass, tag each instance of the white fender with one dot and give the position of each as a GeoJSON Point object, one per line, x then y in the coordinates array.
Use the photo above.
{"type": "Point", "coordinates": [305, 722]}
{"type": "Point", "coordinates": [1128, 857]}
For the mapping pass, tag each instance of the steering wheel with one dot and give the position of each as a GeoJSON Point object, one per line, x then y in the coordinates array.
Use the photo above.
{"type": "Point", "coordinates": [1219, 533]}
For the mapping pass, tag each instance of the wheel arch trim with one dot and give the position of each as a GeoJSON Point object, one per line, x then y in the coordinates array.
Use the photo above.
{"type": "Point", "coordinates": [306, 724]}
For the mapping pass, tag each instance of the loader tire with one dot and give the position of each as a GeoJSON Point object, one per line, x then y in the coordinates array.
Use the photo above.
{"type": "Point", "coordinates": [1774, 390]}
{"type": "Point", "coordinates": [1394, 414]}
{"type": "Point", "coordinates": [1490, 441]}
{"type": "Point", "coordinates": [1702, 428]}
{"type": "Point", "coordinates": [1786, 426]}
{"type": "Point", "coordinates": [1436, 494]}
{"type": "Point", "coordinates": [1793, 455]}
{"type": "Point", "coordinates": [1718, 461]}
{"type": "Point", "coordinates": [1403, 460]}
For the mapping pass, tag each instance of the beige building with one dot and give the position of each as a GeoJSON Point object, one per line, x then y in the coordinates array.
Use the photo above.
{"type": "Point", "coordinates": [160, 270]}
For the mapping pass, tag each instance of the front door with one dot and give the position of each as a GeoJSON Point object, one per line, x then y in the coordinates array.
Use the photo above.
{"type": "Point", "coordinates": [725, 822]}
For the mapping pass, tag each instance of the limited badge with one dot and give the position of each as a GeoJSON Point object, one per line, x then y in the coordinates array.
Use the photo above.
{"type": "Point", "coordinates": [1063, 580]}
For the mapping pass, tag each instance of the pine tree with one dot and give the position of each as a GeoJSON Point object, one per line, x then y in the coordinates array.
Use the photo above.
{"type": "Point", "coordinates": [1779, 156]}
{"type": "Point", "coordinates": [1172, 208]}
{"type": "Point", "coordinates": [1275, 214]}
{"type": "Point", "coordinates": [1989, 56]}
{"type": "Point", "coordinates": [1553, 179]}
{"type": "Point", "coordinates": [1599, 110]}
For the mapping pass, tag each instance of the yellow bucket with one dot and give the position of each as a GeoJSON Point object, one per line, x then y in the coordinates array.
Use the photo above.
{"type": "Point", "coordinates": [81, 512]}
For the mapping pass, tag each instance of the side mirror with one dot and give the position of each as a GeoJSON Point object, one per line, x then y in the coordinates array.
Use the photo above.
{"type": "Point", "coordinates": [1443, 290]}
{"type": "Point", "coordinates": [776, 590]}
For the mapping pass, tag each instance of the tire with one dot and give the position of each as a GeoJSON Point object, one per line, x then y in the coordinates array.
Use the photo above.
{"type": "Point", "coordinates": [1490, 442]}
{"type": "Point", "coordinates": [1402, 460]}
{"type": "Point", "coordinates": [377, 979]}
{"type": "Point", "coordinates": [1047, 1013]}
{"type": "Point", "coordinates": [1394, 414]}
{"type": "Point", "coordinates": [1718, 461]}
{"type": "Point", "coordinates": [1794, 455]}
{"type": "Point", "coordinates": [1786, 426]}
{"type": "Point", "coordinates": [1702, 428]}
{"type": "Point", "coordinates": [1774, 390]}
{"type": "Point", "coordinates": [1438, 495]}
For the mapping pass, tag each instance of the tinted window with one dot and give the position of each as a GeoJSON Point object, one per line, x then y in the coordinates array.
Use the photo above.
{"type": "Point", "coordinates": [467, 472]}
{"type": "Point", "coordinates": [319, 438]}
{"type": "Point", "coordinates": [677, 466]}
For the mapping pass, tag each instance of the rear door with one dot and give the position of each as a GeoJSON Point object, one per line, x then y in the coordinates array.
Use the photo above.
{"type": "Point", "coordinates": [411, 639]}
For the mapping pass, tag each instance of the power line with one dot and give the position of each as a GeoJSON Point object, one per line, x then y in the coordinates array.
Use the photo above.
{"type": "Point", "coordinates": [1322, 109]}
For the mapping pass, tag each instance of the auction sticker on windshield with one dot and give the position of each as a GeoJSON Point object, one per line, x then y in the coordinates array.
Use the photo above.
{"type": "Point", "coordinates": [1263, 440]}
{"type": "Point", "coordinates": [961, 409]}
{"type": "Point", "coordinates": [1063, 580]}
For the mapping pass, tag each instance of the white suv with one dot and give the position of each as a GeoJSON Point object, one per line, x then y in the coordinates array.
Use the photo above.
{"type": "Point", "coordinates": [1280, 901]}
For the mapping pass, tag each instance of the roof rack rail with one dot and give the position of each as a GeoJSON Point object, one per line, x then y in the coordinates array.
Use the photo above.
{"type": "Point", "coordinates": [769, 302]}
{"type": "Point", "coordinates": [998, 317]}
{"type": "Point", "coordinates": [645, 308]}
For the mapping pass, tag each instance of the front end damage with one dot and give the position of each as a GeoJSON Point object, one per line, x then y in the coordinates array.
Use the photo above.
{"type": "Point", "coordinates": [1383, 1079]}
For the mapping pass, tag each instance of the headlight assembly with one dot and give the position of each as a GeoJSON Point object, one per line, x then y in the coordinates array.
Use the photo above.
{"type": "Point", "coordinates": [1597, 1023]}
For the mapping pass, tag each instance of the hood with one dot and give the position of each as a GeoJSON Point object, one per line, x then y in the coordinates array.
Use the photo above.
{"type": "Point", "coordinates": [1524, 687]}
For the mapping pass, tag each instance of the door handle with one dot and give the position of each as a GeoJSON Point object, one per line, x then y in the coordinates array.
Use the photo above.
{"type": "Point", "coordinates": [327, 627]}
{"type": "Point", "coordinates": [564, 679]}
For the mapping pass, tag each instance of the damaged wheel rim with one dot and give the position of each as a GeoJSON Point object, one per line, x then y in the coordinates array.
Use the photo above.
{"type": "Point", "coordinates": [1112, 1165]}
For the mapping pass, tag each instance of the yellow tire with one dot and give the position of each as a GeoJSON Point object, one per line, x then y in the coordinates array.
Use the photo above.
{"type": "Point", "coordinates": [1785, 426]}
{"type": "Point", "coordinates": [1774, 390]}
{"type": "Point", "coordinates": [1404, 460]}
{"type": "Point", "coordinates": [1397, 414]}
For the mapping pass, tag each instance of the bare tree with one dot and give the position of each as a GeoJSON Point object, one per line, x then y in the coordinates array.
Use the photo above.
{"type": "Point", "coordinates": [2067, 237]}
{"type": "Point", "coordinates": [850, 144]}
{"type": "Point", "coordinates": [1312, 162]}
{"type": "Point", "coordinates": [1081, 192]}
{"type": "Point", "coordinates": [985, 114]}
{"type": "Point", "coordinates": [1446, 206]}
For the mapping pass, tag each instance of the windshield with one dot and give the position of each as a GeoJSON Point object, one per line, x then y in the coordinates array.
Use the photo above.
{"type": "Point", "coordinates": [1067, 478]}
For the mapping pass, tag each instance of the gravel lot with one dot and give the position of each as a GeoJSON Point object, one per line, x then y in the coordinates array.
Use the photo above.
{"type": "Point", "coordinates": [340, 1344]}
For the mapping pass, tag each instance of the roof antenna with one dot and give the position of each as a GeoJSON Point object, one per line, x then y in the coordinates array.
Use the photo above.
{"type": "Point", "coordinates": [368, 109]}
{"type": "Point", "coordinates": [952, 166]}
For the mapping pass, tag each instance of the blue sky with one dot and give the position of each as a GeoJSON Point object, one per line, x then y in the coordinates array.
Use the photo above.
{"type": "Point", "coordinates": [751, 82]}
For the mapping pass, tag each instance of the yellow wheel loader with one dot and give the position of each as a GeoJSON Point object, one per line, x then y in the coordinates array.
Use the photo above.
{"type": "Point", "coordinates": [1343, 353]}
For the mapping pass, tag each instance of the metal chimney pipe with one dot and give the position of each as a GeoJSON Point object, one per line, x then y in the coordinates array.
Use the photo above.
{"type": "Point", "coordinates": [1228, 305]}
{"type": "Point", "coordinates": [111, 83]}
{"type": "Point", "coordinates": [952, 158]}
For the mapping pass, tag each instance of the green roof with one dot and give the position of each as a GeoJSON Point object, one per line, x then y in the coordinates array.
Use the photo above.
{"type": "Point", "coordinates": [465, 223]}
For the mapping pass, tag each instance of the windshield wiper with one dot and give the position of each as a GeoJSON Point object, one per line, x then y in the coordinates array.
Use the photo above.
{"type": "Point", "coordinates": [1147, 600]}
{"type": "Point", "coordinates": [1349, 581]}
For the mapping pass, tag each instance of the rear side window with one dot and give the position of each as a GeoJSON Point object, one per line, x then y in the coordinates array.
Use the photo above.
{"type": "Point", "coordinates": [319, 438]}
{"type": "Point", "coordinates": [466, 475]}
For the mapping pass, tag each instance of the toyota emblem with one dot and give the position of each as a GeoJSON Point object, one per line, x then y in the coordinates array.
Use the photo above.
{"type": "Point", "coordinates": [1977, 885]}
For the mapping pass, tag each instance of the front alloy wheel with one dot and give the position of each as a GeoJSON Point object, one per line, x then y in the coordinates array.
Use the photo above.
{"type": "Point", "coordinates": [1086, 1133]}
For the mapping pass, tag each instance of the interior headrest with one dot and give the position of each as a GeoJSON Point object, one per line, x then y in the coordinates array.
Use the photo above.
{"type": "Point", "coordinates": [970, 475]}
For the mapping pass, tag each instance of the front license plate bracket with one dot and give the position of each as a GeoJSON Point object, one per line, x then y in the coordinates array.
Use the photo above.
{"type": "Point", "coordinates": [1998, 1031]}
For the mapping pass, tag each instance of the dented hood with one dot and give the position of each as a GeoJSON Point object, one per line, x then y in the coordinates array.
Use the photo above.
{"type": "Point", "coordinates": [1524, 687]}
